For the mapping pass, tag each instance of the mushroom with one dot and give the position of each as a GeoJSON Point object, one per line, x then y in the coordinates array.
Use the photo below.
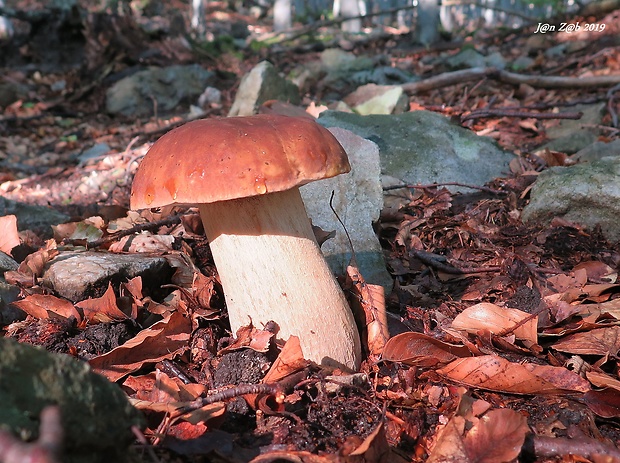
{"type": "Point", "coordinates": [243, 173]}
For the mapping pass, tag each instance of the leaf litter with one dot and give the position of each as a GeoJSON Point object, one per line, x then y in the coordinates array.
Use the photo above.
{"type": "Point", "coordinates": [509, 332]}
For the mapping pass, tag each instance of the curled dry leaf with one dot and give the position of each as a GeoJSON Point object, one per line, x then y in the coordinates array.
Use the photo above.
{"type": "Point", "coordinates": [45, 306]}
{"type": "Point", "coordinates": [144, 243]}
{"type": "Point", "coordinates": [605, 403]}
{"type": "Point", "coordinates": [32, 266]}
{"type": "Point", "coordinates": [602, 380]}
{"type": "Point", "coordinates": [497, 320]}
{"type": "Point", "coordinates": [369, 300]}
{"type": "Point", "coordinates": [498, 374]}
{"type": "Point", "coordinates": [102, 309]}
{"type": "Point", "coordinates": [9, 237]}
{"type": "Point", "coordinates": [496, 437]}
{"type": "Point", "coordinates": [598, 271]}
{"type": "Point", "coordinates": [601, 341]}
{"type": "Point", "coordinates": [163, 340]}
{"type": "Point", "coordinates": [250, 337]}
{"type": "Point", "coordinates": [421, 350]}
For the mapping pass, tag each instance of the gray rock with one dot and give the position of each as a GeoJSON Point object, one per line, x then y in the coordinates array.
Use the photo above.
{"type": "Point", "coordinates": [425, 147]}
{"type": "Point", "coordinates": [36, 218]}
{"type": "Point", "coordinates": [569, 135]}
{"type": "Point", "coordinates": [522, 63]}
{"type": "Point", "coordinates": [95, 414]}
{"type": "Point", "coordinates": [8, 294]}
{"type": "Point", "coordinates": [358, 199]}
{"type": "Point", "coordinates": [7, 263]}
{"type": "Point", "coordinates": [261, 84]}
{"type": "Point", "coordinates": [10, 92]}
{"type": "Point", "coordinates": [598, 150]}
{"type": "Point", "coordinates": [382, 75]}
{"type": "Point", "coordinates": [79, 275]}
{"type": "Point", "coordinates": [169, 86]}
{"type": "Point", "coordinates": [587, 194]}
{"type": "Point", "coordinates": [467, 58]}
{"type": "Point", "coordinates": [496, 60]}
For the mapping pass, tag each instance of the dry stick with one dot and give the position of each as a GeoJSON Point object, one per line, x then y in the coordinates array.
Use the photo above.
{"type": "Point", "coordinates": [502, 112]}
{"type": "Point", "coordinates": [227, 394]}
{"type": "Point", "coordinates": [545, 447]}
{"type": "Point", "coordinates": [456, 77]}
{"type": "Point", "coordinates": [171, 220]}
{"type": "Point", "coordinates": [435, 185]}
{"type": "Point", "coordinates": [431, 260]}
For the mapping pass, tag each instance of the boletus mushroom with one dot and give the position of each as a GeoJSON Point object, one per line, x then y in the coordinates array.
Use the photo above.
{"type": "Point", "coordinates": [243, 174]}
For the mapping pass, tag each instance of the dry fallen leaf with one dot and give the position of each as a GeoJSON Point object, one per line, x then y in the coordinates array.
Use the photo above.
{"type": "Point", "coordinates": [9, 237]}
{"type": "Point", "coordinates": [487, 316]}
{"type": "Point", "coordinates": [102, 309]}
{"type": "Point", "coordinates": [421, 350]}
{"type": "Point", "coordinates": [163, 340]}
{"type": "Point", "coordinates": [45, 306]}
{"type": "Point", "coordinates": [601, 341]}
{"type": "Point", "coordinates": [496, 437]}
{"type": "Point", "coordinates": [498, 374]}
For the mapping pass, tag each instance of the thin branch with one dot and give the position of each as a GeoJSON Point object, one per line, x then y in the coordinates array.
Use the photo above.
{"type": "Point", "coordinates": [466, 75]}
{"type": "Point", "coordinates": [435, 185]}
{"type": "Point", "coordinates": [502, 112]}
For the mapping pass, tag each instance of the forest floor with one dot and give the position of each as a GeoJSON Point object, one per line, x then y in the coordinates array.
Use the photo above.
{"type": "Point", "coordinates": [512, 348]}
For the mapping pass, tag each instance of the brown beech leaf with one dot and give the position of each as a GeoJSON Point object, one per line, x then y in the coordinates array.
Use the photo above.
{"type": "Point", "coordinates": [496, 437]}
{"type": "Point", "coordinates": [46, 306]}
{"type": "Point", "coordinates": [487, 316]}
{"type": "Point", "coordinates": [602, 380]}
{"type": "Point", "coordinates": [498, 374]}
{"type": "Point", "coordinates": [250, 337]}
{"type": "Point", "coordinates": [560, 377]}
{"type": "Point", "coordinates": [102, 309]}
{"type": "Point", "coordinates": [605, 403]}
{"type": "Point", "coordinates": [598, 271]}
{"type": "Point", "coordinates": [33, 265]}
{"type": "Point", "coordinates": [421, 350]}
{"type": "Point", "coordinates": [369, 300]}
{"type": "Point", "coordinates": [163, 340]}
{"type": "Point", "coordinates": [143, 243]}
{"type": "Point", "coordinates": [601, 341]}
{"type": "Point", "coordinates": [9, 237]}
{"type": "Point", "coordinates": [290, 360]}
{"type": "Point", "coordinates": [450, 446]}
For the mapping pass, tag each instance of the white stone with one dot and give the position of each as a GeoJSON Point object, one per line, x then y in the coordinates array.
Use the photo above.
{"type": "Point", "coordinates": [358, 199]}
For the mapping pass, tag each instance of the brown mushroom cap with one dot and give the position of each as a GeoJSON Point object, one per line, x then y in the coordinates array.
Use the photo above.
{"type": "Point", "coordinates": [219, 159]}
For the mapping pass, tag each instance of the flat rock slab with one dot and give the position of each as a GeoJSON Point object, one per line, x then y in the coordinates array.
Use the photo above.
{"type": "Point", "coordinates": [261, 84]}
{"type": "Point", "coordinates": [587, 194]}
{"type": "Point", "coordinates": [79, 275]}
{"type": "Point", "coordinates": [169, 86]}
{"type": "Point", "coordinates": [95, 414]}
{"type": "Point", "coordinates": [358, 199]}
{"type": "Point", "coordinates": [36, 218]}
{"type": "Point", "coordinates": [423, 147]}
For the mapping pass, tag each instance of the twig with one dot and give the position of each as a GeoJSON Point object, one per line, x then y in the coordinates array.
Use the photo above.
{"type": "Point", "coordinates": [456, 77]}
{"type": "Point", "coordinates": [436, 261]}
{"type": "Point", "coordinates": [549, 447]}
{"type": "Point", "coordinates": [435, 185]}
{"type": "Point", "coordinates": [227, 394]}
{"type": "Point", "coordinates": [501, 112]}
{"type": "Point", "coordinates": [170, 220]}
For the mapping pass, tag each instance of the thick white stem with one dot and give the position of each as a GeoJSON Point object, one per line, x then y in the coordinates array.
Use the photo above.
{"type": "Point", "coordinates": [271, 268]}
